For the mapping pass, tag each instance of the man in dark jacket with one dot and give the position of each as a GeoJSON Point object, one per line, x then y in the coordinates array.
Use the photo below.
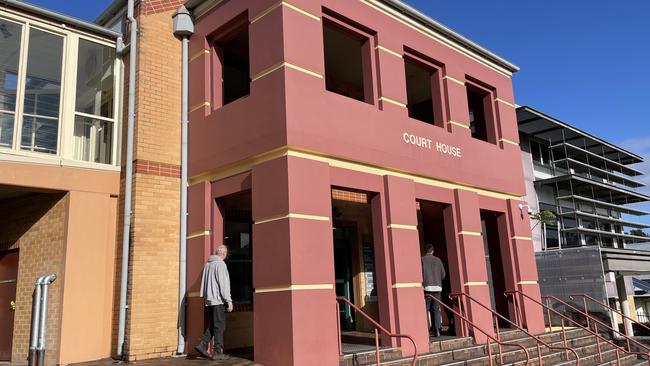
{"type": "Point", "coordinates": [433, 272]}
{"type": "Point", "coordinates": [215, 291]}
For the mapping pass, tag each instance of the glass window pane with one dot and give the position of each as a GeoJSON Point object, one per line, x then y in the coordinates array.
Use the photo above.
{"type": "Point", "coordinates": [95, 79]}
{"type": "Point", "coordinates": [10, 35]}
{"type": "Point", "coordinates": [93, 140]}
{"type": "Point", "coordinates": [42, 92]}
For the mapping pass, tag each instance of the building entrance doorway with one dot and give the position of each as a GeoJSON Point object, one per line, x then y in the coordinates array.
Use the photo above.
{"type": "Point", "coordinates": [434, 227]}
{"type": "Point", "coordinates": [354, 261]}
{"type": "Point", "coordinates": [494, 262]}
{"type": "Point", "coordinates": [8, 276]}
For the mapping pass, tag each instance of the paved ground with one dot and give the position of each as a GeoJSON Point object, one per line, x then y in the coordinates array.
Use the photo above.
{"type": "Point", "coordinates": [172, 361]}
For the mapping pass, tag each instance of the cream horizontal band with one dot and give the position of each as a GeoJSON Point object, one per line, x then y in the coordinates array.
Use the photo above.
{"type": "Point", "coordinates": [389, 51]}
{"type": "Point", "coordinates": [476, 283]}
{"type": "Point", "coordinates": [291, 216]}
{"type": "Point", "coordinates": [470, 233]}
{"type": "Point", "coordinates": [527, 283]}
{"type": "Point", "coordinates": [196, 234]}
{"type": "Point", "coordinates": [454, 80]}
{"type": "Point", "coordinates": [406, 284]}
{"type": "Point", "coordinates": [393, 101]}
{"type": "Point", "coordinates": [509, 142]}
{"type": "Point", "coordinates": [402, 226]}
{"type": "Point", "coordinates": [521, 238]}
{"type": "Point", "coordinates": [459, 124]}
{"type": "Point", "coordinates": [506, 103]}
{"type": "Point", "coordinates": [199, 106]}
{"type": "Point", "coordinates": [282, 64]}
{"type": "Point", "coordinates": [321, 286]}
{"type": "Point", "coordinates": [199, 54]}
{"type": "Point", "coordinates": [193, 294]}
{"type": "Point", "coordinates": [246, 165]}
{"type": "Point", "coordinates": [264, 13]}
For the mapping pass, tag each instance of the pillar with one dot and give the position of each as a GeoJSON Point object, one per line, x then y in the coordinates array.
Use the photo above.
{"type": "Point", "coordinates": [199, 206]}
{"type": "Point", "coordinates": [402, 245]}
{"type": "Point", "coordinates": [467, 256]}
{"type": "Point", "coordinates": [521, 262]}
{"type": "Point", "coordinates": [293, 264]}
{"type": "Point", "coordinates": [625, 308]}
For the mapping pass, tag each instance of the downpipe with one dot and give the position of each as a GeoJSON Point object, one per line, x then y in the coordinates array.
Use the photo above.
{"type": "Point", "coordinates": [37, 345]}
{"type": "Point", "coordinates": [128, 181]}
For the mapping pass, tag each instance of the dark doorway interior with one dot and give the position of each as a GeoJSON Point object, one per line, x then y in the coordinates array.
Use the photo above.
{"type": "Point", "coordinates": [8, 276]}
{"type": "Point", "coordinates": [343, 272]}
{"type": "Point", "coordinates": [494, 262]}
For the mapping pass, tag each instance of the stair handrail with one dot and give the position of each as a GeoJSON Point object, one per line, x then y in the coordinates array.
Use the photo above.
{"type": "Point", "coordinates": [377, 327]}
{"type": "Point", "coordinates": [597, 322]}
{"type": "Point", "coordinates": [539, 341]}
{"type": "Point", "coordinates": [487, 334]}
{"type": "Point", "coordinates": [598, 336]}
{"type": "Point", "coordinates": [586, 297]}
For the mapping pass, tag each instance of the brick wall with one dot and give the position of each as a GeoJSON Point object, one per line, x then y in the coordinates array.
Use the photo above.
{"type": "Point", "coordinates": [37, 223]}
{"type": "Point", "coordinates": [153, 287]}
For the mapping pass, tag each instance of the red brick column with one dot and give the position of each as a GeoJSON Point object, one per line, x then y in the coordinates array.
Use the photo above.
{"type": "Point", "coordinates": [524, 265]}
{"type": "Point", "coordinates": [404, 253]}
{"type": "Point", "coordinates": [199, 204]}
{"type": "Point", "coordinates": [293, 264]}
{"type": "Point", "coordinates": [466, 255]}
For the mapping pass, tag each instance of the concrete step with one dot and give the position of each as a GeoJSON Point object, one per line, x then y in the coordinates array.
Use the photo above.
{"type": "Point", "coordinates": [369, 355]}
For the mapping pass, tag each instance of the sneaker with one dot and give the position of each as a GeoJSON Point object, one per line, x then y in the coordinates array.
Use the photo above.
{"type": "Point", "coordinates": [202, 351]}
{"type": "Point", "coordinates": [220, 357]}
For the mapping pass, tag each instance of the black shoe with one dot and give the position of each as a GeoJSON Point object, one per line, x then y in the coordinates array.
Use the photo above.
{"type": "Point", "coordinates": [220, 357]}
{"type": "Point", "coordinates": [202, 351]}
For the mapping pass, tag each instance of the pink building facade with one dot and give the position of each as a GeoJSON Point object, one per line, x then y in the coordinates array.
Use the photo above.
{"type": "Point", "coordinates": [295, 106]}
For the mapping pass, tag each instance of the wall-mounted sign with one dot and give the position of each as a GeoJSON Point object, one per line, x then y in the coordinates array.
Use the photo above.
{"type": "Point", "coordinates": [426, 143]}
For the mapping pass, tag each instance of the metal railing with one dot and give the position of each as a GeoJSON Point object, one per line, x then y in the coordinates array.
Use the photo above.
{"type": "Point", "coordinates": [594, 332]}
{"type": "Point", "coordinates": [378, 328]}
{"type": "Point", "coordinates": [538, 341]}
{"type": "Point", "coordinates": [586, 297]}
{"type": "Point", "coordinates": [465, 322]}
{"type": "Point", "coordinates": [643, 317]}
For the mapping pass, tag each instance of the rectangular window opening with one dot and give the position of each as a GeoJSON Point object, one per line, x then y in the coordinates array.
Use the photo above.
{"type": "Point", "coordinates": [479, 102]}
{"type": "Point", "coordinates": [347, 66]}
{"type": "Point", "coordinates": [420, 82]}
{"type": "Point", "coordinates": [233, 55]}
{"type": "Point", "coordinates": [10, 46]}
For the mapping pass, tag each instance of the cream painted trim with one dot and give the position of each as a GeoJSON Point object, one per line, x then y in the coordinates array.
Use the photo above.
{"type": "Point", "coordinates": [475, 283]}
{"type": "Point", "coordinates": [264, 13]}
{"type": "Point", "coordinates": [454, 80]}
{"type": "Point", "coordinates": [401, 226]}
{"type": "Point", "coordinates": [247, 164]}
{"type": "Point", "coordinates": [291, 216]}
{"type": "Point", "coordinates": [197, 234]}
{"type": "Point", "coordinates": [459, 124]}
{"type": "Point", "coordinates": [509, 142]}
{"type": "Point", "coordinates": [199, 106]}
{"type": "Point", "coordinates": [199, 54]}
{"type": "Point", "coordinates": [506, 103]}
{"type": "Point", "coordinates": [470, 233]}
{"type": "Point", "coordinates": [521, 238]}
{"type": "Point", "coordinates": [375, 4]}
{"type": "Point", "coordinates": [321, 286]}
{"type": "Point", "coordinates": [193, 294]}
{"type": "Point", "coordinates": [282, 64]}
{"type": "Point", "coordinates": [389, 51]}
{"type": "Point", "coordinates": [527, 283]}
{"type": "Point", "coordinates": [407, 285]}
{"type": "Point", "coordinates": [393, 101]}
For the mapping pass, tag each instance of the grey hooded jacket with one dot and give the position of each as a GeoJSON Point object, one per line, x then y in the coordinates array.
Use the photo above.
{"type": "Point", "coordinates": [215, 282]}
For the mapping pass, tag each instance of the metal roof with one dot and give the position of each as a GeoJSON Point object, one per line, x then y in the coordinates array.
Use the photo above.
{"type": "Point", "coordinates": [421, 18]}
{"type": "Point", "coordinates": [59, 17]}
{"type": "Point", "coordinates": [535, 123]}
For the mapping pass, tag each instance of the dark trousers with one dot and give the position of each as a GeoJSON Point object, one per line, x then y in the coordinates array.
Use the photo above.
{"type": "Point", "coordinates": [434, 308]}
{"type": "Point", "coordinates": [215, 320]}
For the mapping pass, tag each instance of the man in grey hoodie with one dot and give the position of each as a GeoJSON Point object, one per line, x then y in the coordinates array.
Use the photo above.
{"type": "Point", "coordinates": [215, 291]}
{"type": "Point", "coordinates": [433, 272]}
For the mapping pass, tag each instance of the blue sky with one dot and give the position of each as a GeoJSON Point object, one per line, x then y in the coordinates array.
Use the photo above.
{"type": "Point", "coordinates": [585, 62]}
